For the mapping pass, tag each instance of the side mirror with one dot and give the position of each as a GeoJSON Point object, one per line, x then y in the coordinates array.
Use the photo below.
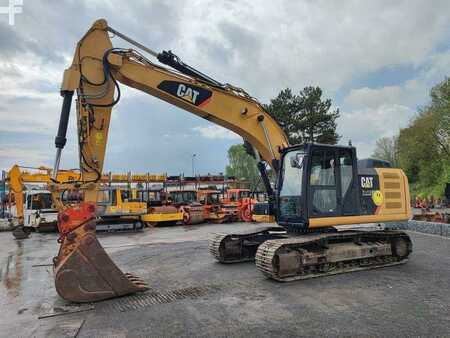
{"type": "Point", "coordinates": [297, 161]}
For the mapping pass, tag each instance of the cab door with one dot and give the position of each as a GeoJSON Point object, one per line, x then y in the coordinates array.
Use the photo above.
{"type": "Point", "coordinates": [348, 182]}
{"type": "Point", "coordinates": [323, 197]}
{"type": "Point", "coordinates": [332, 182]}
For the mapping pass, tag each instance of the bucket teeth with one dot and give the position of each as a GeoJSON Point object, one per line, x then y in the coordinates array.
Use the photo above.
{"type": "Point", "coordinates": [142, 285]}
{"type": "Point", "coordinates": [135, 279]}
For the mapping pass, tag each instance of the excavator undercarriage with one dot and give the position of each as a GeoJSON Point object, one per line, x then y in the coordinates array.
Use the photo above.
{"type": "Point", "coordinates": [317, 255]}
{"type": "Point", "coordinates": [286, 257]}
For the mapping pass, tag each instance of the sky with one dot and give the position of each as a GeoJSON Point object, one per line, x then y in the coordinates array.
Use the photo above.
{"type": "Point", "coordinates": [376, 60]}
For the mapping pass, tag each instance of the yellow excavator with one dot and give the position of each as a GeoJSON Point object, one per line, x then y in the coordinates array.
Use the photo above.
{"type": "Point", "coordinates": [318, 186]}
{"type": "Point", "coordinates": [34, 207]}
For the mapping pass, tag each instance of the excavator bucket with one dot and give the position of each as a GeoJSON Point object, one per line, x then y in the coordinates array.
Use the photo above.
{"type": "Point", "coordinates": [83, 270]}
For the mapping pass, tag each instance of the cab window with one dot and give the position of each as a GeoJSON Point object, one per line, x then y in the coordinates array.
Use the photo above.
{"type": "Point", "coordinates": [323, 182]}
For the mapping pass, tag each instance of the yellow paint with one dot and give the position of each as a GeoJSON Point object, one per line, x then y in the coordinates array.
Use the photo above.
{"type": "Point", "coordinates": [341, 220]}
{"type": "Point", "coordinates": [126, 207]}
{"type": "Point", "coordinates": [385, 212]}
{"type": "Point", "coordinates": [98, 138]}
{"type": "Point", "coordinates": [162, 217]}
{"type": "Point", "coordinates": [263, 218]}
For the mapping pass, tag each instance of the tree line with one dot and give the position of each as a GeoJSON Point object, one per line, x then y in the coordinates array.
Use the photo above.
{"type": "Point", "coordinates": [422, 149]}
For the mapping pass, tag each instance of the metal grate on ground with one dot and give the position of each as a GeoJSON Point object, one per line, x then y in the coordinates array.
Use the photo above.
{"type": "Point", "coordinates": [147, 299]}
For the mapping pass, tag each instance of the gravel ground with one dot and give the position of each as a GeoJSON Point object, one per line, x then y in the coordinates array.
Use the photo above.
{"type": "Point", "coordinates": [192, 295]}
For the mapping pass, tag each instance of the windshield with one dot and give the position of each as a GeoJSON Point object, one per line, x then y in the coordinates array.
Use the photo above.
{"type": "Point", "coordinates": [183, 196]}
{"type": "Point", "coordinates": [291, 184]}
{"type": "Point", "coordinates": [40, 201]}
{"type": "Point", "coordinates": [245, 194]}
{"type": "Point", "coordinates": [213, 198]}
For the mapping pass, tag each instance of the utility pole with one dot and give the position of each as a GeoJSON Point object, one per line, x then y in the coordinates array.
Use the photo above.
{"type": "Point", "coordinates": [3, 194]}
{"type": "Point", "coordinates": [193, 166]}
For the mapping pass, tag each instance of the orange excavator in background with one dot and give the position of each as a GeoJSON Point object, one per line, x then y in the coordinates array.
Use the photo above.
{"type": "Point", "coordinates": [318, 187]}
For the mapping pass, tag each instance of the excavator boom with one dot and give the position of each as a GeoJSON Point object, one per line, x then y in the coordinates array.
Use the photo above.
{"type": "Point", "coordinates": [82, 269]}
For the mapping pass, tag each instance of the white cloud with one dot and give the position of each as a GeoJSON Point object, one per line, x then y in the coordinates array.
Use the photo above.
{"type": "Point", "coordinates": [216, 132]}
{"type": "Point", "coordinates": [368, 114]}
{"type": "Point", "coordinates": [267, 46]}
{"type": "Point", "coordinates": [373, 97]}
{"type": "Point", "coordinates": [365, 126]}
{"type": "Point", "coordinates": [24, 157]}
{"type": "Point", "coordinates": [413, 92]}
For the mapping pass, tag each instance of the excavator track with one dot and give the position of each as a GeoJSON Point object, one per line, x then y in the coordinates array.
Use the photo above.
{"type": "Point", "coordinates": [242, 246]}
{"type": "Point", "coordinates": [317, 255]}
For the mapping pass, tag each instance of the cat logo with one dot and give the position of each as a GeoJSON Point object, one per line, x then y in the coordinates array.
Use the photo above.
{"type": "Point", "coordinates": [187, 93]}
{"type": "Point", "coordinates": [367, 182]}
{"type": "Point", "coordinates": [196, 95]}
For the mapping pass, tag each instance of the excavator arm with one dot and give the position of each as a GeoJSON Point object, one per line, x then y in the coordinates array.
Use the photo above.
{"type": "Point", "coordinates": [16, 188]}
{"type": "Point", "coordinates": [94, 73]}
{"type": "Point", "coordinates": [83, 270]}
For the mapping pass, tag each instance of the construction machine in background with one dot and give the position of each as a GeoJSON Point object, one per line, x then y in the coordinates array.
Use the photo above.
{"type": "Point", "coordinates": [242, 201]}
{"type": "Point", "coordinates": [318, 186]}
{"type": "Point", "coordinates": [119, 208]}
{"type": "Point", "coordinates": [122, 211]}
{"type": "Point", "coordinates": [33, 207]}
{"type": "Point", "coordinates": [160, 212]}
{"type": "Point", "coordinates": [214, 210]}
{"type": "Point", "coordinates": [123, 207]}
{"type": "Point", "coordinates": [186, 202]}
{"type": "Point", "coordinates": [262, 213]}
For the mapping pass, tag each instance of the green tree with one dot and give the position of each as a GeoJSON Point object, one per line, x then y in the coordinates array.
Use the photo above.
{"type": "Point", "coordinates": [305, 117]}
{"type": "Point", "coordinates": [424, 146]}
{"type": "Point", "coordinates": [242, 165]}
{"type": "Point", "coordinates": [387, 149]}
{"type": "Point", "coordinates": [440, 108]}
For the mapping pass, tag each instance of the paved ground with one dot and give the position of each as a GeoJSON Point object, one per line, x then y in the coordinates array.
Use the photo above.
{"type": "Point", "coordinates": [194, 296]}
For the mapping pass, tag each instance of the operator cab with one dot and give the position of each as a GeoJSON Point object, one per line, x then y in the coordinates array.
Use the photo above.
{"type": "Point", "coordinates": [183, 197]}
{"type": "Point", "coordinates": [316, 180]}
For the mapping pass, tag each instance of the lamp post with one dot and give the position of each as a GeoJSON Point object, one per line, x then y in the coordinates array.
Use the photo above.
{"type": "Point", "coordinates": [193, 166]}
